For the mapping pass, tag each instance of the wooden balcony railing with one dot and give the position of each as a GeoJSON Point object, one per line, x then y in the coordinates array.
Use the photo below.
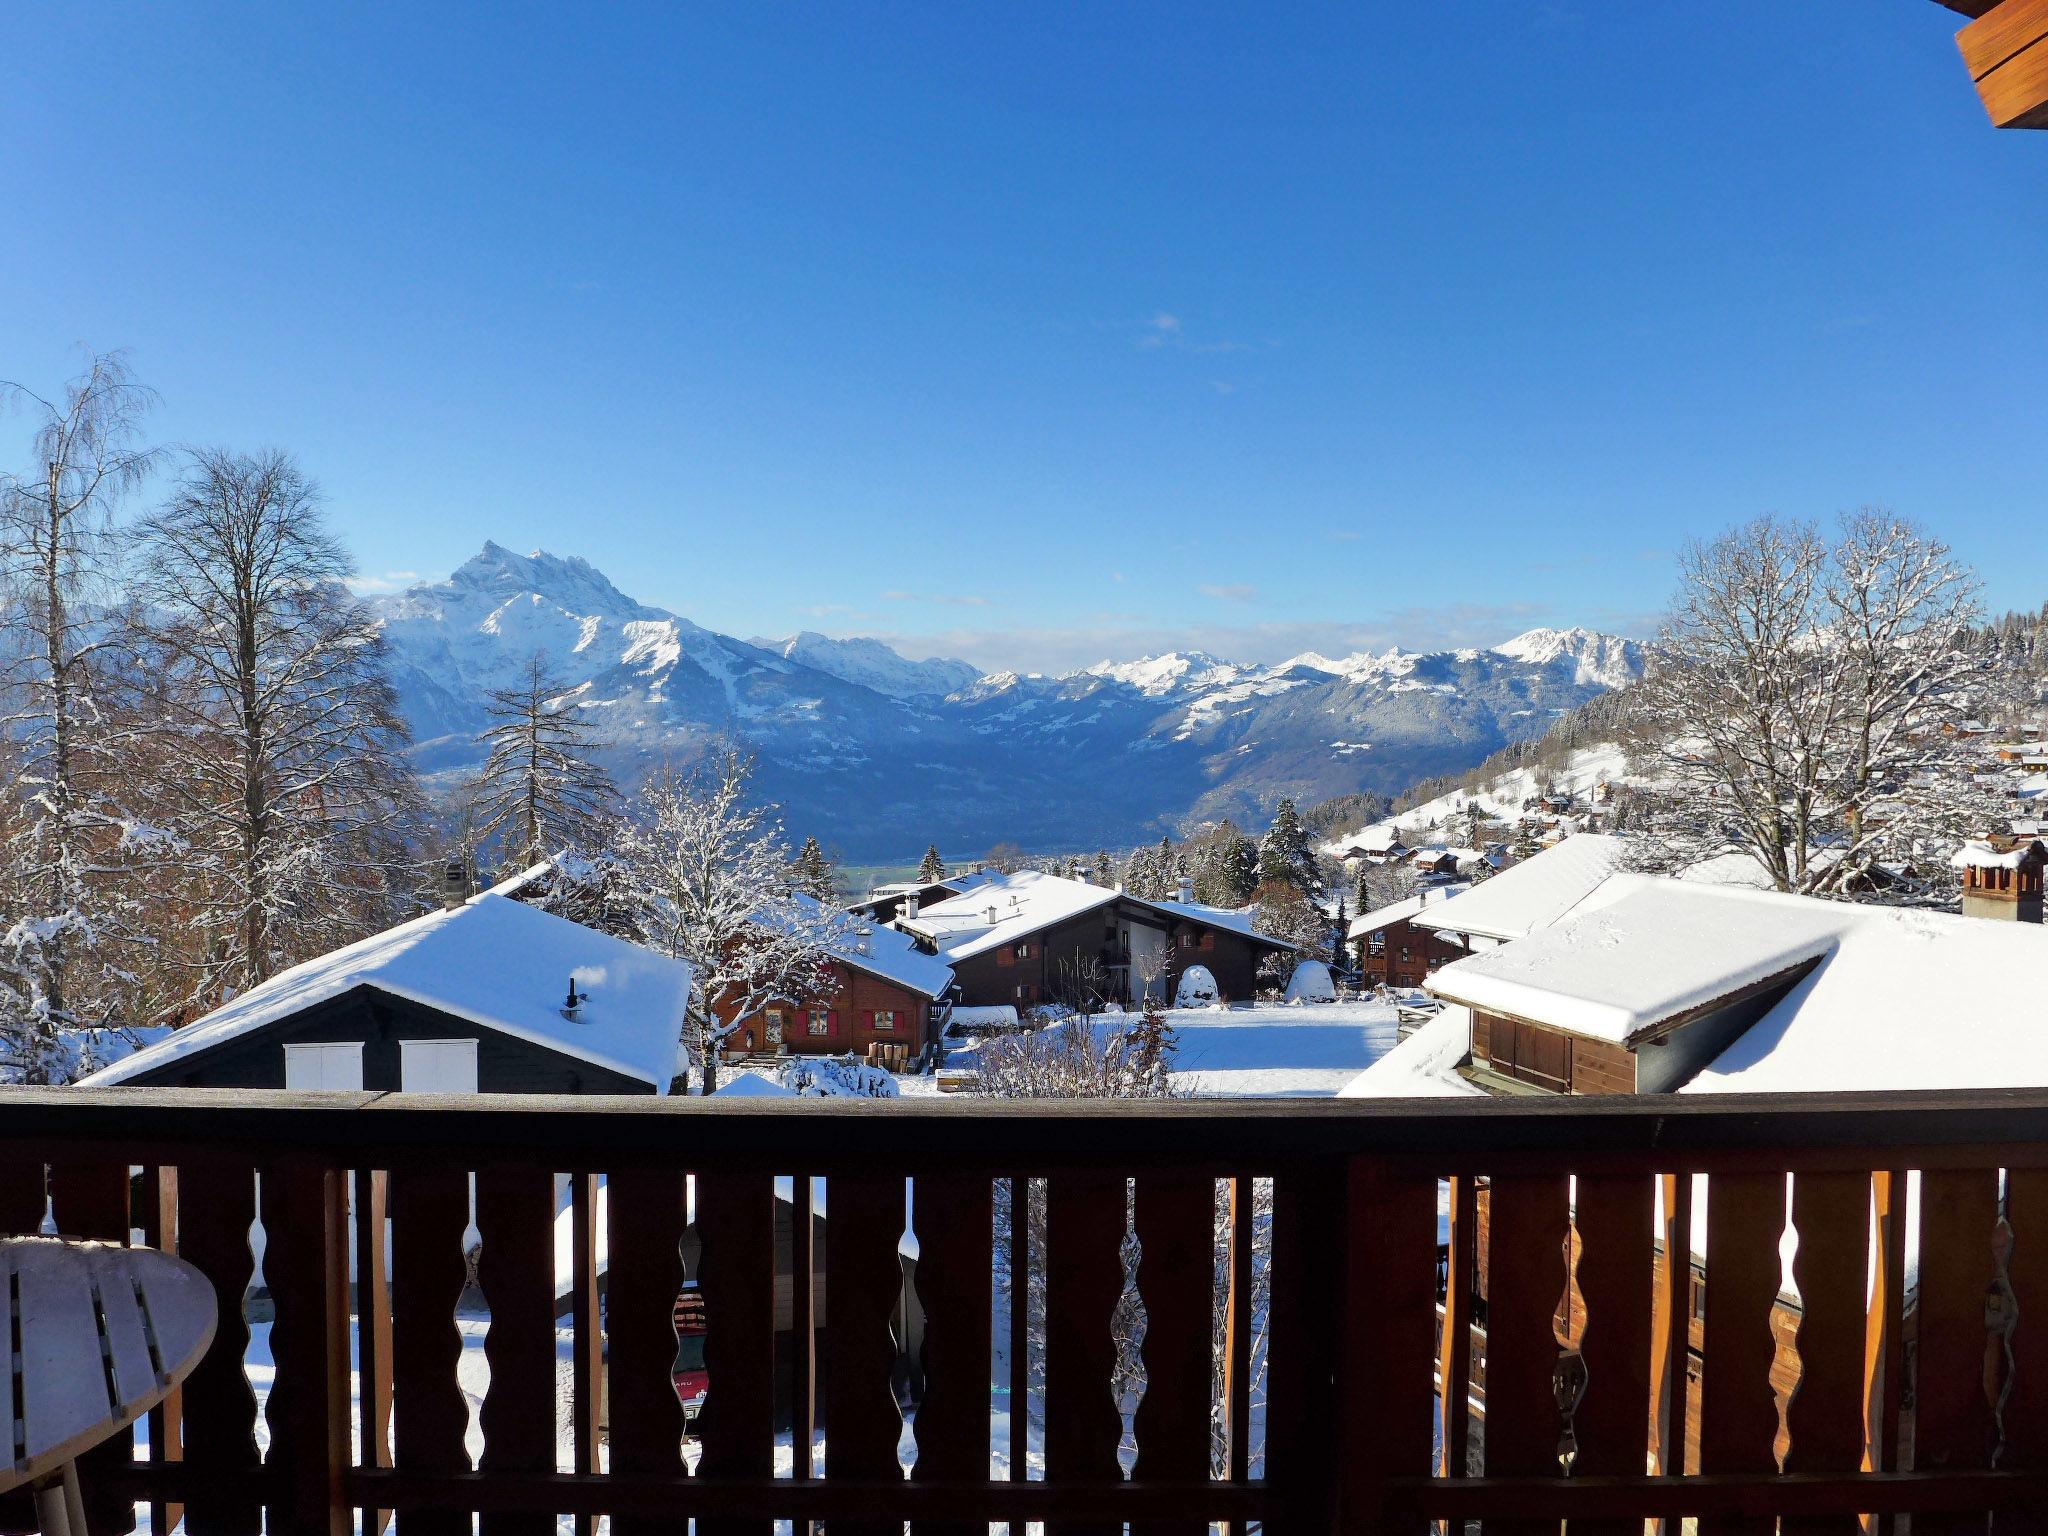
{"type": "Point", "coordinates": [1341, 1429]}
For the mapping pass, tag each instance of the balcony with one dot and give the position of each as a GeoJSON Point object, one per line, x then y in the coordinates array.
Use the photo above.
{"type": "Point", "coordinates": [1317, 1413]}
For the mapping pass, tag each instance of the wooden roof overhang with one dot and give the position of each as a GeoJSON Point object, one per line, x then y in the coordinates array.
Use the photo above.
{"type": "Point", "coordinates": [2005, 48]}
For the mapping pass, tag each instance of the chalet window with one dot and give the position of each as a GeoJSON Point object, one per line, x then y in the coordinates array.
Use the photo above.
{"type": "Point", "coordinates": [1187, 941]}
{"type": "Point", "coordinates": [1026, 992]}
{"type": "Point", "coordinates": [1024, 950]}
{"type": "Point", "coordinates": [885, 1021]}
{"type": "Point", "coordinates": [1376, 944]}
{"type": "Point", "coordinates": [437, 1066]}
{"type": "Point", "coordinates": [332, 1067]}
{"type": "Point", "coordinates": [819, 1021]}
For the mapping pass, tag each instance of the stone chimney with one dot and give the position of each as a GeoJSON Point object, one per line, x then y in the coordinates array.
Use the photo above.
{"type": "Point", "coordinates": [910, 907]}
{"type": "Point", "coordinates": [2002, 878]}
{"type": "Point", "coordinates": [455, 881]}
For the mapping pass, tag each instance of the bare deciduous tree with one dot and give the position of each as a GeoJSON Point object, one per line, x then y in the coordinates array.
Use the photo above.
{"type": "Point", "coordinates": [1797, 699]}
{"type": "Point", "coordinates": [289, 785]}
{"type": "Point", "coordinates": [66, 827]}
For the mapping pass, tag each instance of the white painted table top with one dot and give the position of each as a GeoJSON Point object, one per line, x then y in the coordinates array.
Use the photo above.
{"type": "Point", "coordinates": [106, 1333]}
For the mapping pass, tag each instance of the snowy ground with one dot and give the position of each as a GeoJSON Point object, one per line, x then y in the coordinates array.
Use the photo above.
{"type": "Point", "coordinates": [1263, 1050]}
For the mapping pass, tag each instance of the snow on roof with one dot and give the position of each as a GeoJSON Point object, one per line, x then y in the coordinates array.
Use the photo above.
{"type": "Point", "coordinates": [493, 961]}
{"type": "Point", "coordinates": [1008, 908]}
{"type": "Point", "coordinates": [1425, 1065]}
{"type": "Point", "coordinates": [1906, 999]}
{"type": "Point", "coordinates": [1979, 855]}
{"type": "Point", "coordinates": [1003, 910]}
{"type": "Point", "coordinates": [884, 952]}
{"type": "Point", "coordinates": [1400, 911]}
{"type": "Point", "coordinates": [1533, 894]}
{"type": "Point", "coordinates": [1645, 950]}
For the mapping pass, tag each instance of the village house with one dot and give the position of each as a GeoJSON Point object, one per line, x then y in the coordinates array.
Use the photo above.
{"type": "Point", "coordinates": [1031, 938]}
{"type": "Point", "coordinates": [488, 996]}
{"type": "Point", "coordinates": [1528, 896]}
{"type": "Point", "coordinates": [878, 996]}
{"type": "Point", "coordinates": [886, 903]}
{"type": "Point", "coordinates": [1393, 950]}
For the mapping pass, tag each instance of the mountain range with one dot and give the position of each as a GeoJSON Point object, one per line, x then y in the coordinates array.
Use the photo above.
{"type": "Point", "coordinates": [879, 755]}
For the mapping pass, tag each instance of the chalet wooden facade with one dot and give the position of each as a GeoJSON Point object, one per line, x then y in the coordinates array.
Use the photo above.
{"type": "Point", "coordinates": [853, 1010]}
{"type": "Point", "coordinates": [489, 996]}
{"type": "Point", "coordinates": [1030, 939]}
{"type": "Point", "coordinates": [1391, 949]}
{"type": "Point", "coordinates": [2003, 878]}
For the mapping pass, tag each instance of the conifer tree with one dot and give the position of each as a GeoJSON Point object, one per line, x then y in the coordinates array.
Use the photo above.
{"type": "Point", "coordinates": [1286, 855]}
{"type": "Point", "coordinates": [811, 874]}
{"type": "Point", "coordinates": [933, 868]}
{"type": "Point", "coordinates": [1105, 869]}
{"type": "Point", "coordinates": [541, 791]}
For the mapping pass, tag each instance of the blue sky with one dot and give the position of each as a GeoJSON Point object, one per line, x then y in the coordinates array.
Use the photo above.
{"type": "Point", "coordinates": [1041, 333]}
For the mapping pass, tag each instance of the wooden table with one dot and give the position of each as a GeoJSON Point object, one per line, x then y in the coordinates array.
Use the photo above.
{"type": "Point", "coordinates": [105, 1333]}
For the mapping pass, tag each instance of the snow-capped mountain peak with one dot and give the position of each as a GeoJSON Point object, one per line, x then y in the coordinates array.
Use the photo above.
{"type": "Point", "coordinates": [1170, 673]}
{"type": "Point", "coordinates": [1607, 661]}
{"type": "Point", "coordinates": [874, 665]}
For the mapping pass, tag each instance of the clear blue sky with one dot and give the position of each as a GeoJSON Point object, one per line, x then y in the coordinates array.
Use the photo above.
{"type": "Point", "coordinates": [1035, 333]}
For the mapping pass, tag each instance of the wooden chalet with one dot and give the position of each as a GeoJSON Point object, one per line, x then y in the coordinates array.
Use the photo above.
{"type": "Point", "coordinates": [1031, 938]}
{"type": "Point", "coordinates": [1392, 950]}
{"type": "Point", "coordinates": [886, 903]}
{"type": "Point", "coordinates": [489, 996]}
{"type": "Point", "coordinates": [878, 994]}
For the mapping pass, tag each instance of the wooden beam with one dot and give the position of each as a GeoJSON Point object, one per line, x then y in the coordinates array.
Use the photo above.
{"type": "Point", "coordinates": [2006, 52]}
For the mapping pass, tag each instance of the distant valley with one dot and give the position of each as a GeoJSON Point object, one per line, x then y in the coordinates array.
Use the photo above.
{"type": "Point", "coordinates": [878, 754]}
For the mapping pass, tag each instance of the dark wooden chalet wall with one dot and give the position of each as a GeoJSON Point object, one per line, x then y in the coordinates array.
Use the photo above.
{"type": "Point", "coordinates": [851, 1005]}
{"type": "Point", "coordinates": [1407, 955]}
{"type": "Point", "coordinates": [993, 978]}
{"type": "Point", "coordinates": [504, 1063]}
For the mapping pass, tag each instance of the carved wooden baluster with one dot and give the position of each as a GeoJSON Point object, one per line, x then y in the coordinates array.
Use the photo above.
{"type": "Point", "coordinates": [430, 1417]}
{"type": "Point", "coordinates": [1832, 1214]}
{"type": "Point", "coordinates": [863, 1286]}
{"type": "Point", "coordinates": [515, 1219]}
{"type": "Point", "coordinates": [1952, 1421]}
{"type": "Point", "coordinates": [1454, 1361]}
{"type": "Point", "coordinates": [1386, 1380]}
{"type": "Point", "coordinates": [305, 1265]}
{"type": "Point", "coordinates": [1302, 1446]}
{"type": "Point", "coordinates": [1084, 1233]}
{"type": "Point", "coordinates": [736, 1277]}
{"type": "Point", "coordinates": [158, 1219]}
{"type": "Point", "coordinates": [1738, 1411]}
{"type": "Point", "coordinates": [955, 1220]}
{"type": "Point", "coordinates": [1528, 1221]}
{"type": "Point", "coordinates": [220, 1408]}
{"type": "Point", "coordinates": [2025, 1415]}
{"type": "Point", "coordinates": [644, 1211]}
{"type": "Point", "coordinates": [1176, 1226]}
{"type": "Point", "coordinates": [1615, 1217]}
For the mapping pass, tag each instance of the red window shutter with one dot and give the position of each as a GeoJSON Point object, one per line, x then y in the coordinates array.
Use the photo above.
{"type": "Point", "coordinates": [832, 1020]}
{"type": "Point", "coordinates": [1208, 941]}
{"type": "Point", "coordinates": [1006, 956]}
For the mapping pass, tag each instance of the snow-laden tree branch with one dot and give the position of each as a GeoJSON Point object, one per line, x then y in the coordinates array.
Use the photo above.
{"type": "Point", "coordinates": [706, 876]}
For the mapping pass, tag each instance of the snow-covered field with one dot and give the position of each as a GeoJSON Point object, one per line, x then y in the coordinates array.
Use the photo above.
{"type": "Point", "coordinates": [1503, 797]}
{"type": "Point", "coordinates": [1266, 1050]}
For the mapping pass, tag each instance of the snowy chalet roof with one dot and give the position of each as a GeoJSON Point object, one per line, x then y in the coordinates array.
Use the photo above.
{"type": "Point", "coordinates": [884, 952]}
{"type": "Point", "coordinates": [1904, 999]}
{"type": "Point", "coordinates": [1007, 908]}
{"type": "Point", "coordinates": [1533, 894]}
{"type": "Point", "coordinates": [494, 961]}
{"type": "Point", "coordinates": [1401, 911]}
{"type": "Point", "coordinates": [1646, 952]}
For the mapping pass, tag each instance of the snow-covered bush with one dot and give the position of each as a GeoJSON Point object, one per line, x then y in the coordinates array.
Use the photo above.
{"type": "Point", "coordinates": [1197, 988]}
{"type": "Point", "coordinates": [836, 1077]}
{"type": "Point", "coordinates": [1311, 983]}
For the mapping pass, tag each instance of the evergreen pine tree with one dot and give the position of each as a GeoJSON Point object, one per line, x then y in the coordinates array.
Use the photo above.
{"type": "Point", "coordinates": [1286, 855]}
{"type": "Point", "coordinates": [1105, 869]}
{"type": "Point", "coordinates": [811, 874]}
{"type": "Point", "coordinates": [933, 867]}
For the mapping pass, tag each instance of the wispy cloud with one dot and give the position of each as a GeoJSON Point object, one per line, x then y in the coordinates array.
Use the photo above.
{"type": "Point", "coordinates": [1167, 331]}
{"type": "Point", "coordinates": [1345, 535]}
{"type": "Point", "coordinates": [390, 581]}
{"type": "Point", "coordinates": [1232, 592]}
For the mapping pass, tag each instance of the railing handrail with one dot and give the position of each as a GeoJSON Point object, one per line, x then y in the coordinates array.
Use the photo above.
{"type": "Point", "coordinates": [1670, 1133]}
